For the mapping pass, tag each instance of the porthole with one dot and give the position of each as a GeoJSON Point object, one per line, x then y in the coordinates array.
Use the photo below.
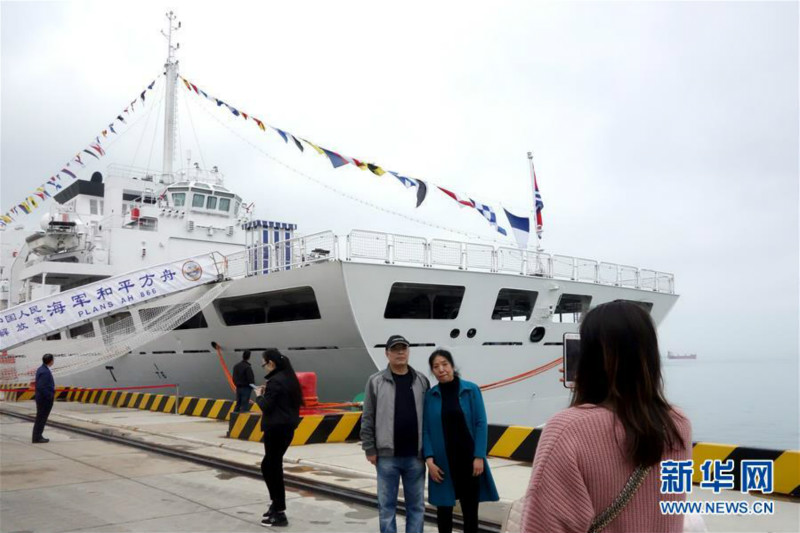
{"type": "Point", "coordinates": [537, 334]}
{"type": "Point", "coordinates": [471, 332]}
{"type": "Point", "coordinates": [455, 333]}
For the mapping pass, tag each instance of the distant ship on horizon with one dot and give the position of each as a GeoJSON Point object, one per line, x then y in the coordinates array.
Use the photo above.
{"type": "Point", "coordinates": [671, 355]}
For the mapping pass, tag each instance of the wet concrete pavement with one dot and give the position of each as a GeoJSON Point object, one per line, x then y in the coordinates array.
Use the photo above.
{"type": "Point", "coordinates": [79, 483]}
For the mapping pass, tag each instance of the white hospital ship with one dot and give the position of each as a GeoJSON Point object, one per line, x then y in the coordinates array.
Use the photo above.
{"type": "Point", "coordinates": [328, 301]}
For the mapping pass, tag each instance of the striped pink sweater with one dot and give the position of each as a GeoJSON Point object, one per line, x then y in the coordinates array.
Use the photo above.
{"type": "Point", "coordinates": [579, 469]}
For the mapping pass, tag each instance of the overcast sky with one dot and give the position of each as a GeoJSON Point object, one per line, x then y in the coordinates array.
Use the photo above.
{"type": "Point", "coordinates": [665, 135]}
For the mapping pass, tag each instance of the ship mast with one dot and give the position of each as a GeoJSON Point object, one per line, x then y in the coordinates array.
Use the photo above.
{"type": "Point", "coordinates": [170, 117]}
{"type": "Point", "coordinates": [534, 219]}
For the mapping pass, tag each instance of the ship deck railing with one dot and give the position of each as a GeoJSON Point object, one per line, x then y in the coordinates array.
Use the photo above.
{"type": "Point", "coordinates": [397, 249]}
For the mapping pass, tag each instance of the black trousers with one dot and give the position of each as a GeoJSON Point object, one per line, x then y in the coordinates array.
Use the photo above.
{"type": "Point", "coordinates": [276, 442]}
{"type": "Point", "coordinates": [242, 399]}
{"type": "Point", "coordinates": [467, 488]}
{"type": "Point", "coordinates": [43, 408]}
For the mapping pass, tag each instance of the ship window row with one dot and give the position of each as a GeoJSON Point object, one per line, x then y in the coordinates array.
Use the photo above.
{"type": "Point", "coordinates": [203, 201]}
{"type": "Point", "coordinates": [406, 301]}
{"type": "Point", "coordinates": [423, 301]}
{"type": "Point", "coordinates": [443, 302]}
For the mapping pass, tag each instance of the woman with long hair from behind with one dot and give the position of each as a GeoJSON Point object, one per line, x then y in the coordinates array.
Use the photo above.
{"type": "Point", "coordinates": [617, 430]}
{"type": "Point", "coordinates": [280, 401]}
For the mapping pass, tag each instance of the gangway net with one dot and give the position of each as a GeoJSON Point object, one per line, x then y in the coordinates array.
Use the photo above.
{"type": "Point", "coordinates": [118, 338]}
{"type": "Point", "coordinates": [189, 286]}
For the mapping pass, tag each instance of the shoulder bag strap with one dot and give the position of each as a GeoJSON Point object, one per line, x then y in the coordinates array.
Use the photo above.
{"type": "Point", "coordinates": [602, 520]}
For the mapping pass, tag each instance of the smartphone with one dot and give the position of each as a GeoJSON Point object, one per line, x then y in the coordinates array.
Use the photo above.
{"type": "Point", "coordinates": [572, 354]}
{"type": "Point", "coordinates": [254, 387]}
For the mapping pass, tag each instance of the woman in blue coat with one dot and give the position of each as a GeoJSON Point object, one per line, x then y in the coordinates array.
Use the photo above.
{"type": "Point", "coordinates": [454, 436]}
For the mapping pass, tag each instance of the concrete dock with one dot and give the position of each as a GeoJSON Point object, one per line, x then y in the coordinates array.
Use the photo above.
{"type": "Point", "coordinates": [79, 483]}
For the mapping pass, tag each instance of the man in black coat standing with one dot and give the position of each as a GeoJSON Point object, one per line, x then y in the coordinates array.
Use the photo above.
{"type": "Point", "coordinates": [45, 394]}
{"type": "Point", "coordinates": [243, 378]}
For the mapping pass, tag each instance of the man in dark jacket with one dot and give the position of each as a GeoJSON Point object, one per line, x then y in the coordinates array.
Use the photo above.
{"type": "Point", "coordinates": [391, 436]}
{"type": "Point", "coordinates": [45, 394]}
{"type": "Point", "coordinates": [243, 378]}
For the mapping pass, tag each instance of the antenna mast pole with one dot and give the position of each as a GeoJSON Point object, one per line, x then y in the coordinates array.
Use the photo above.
{"type": "Point", "coordinates": [170, 117]}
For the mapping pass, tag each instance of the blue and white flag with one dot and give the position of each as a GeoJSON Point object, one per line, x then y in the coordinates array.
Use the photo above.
{"type": "Point", "coordinates": [489, 214]}
{"type": "Point", "coordinates": [521, 226]}
{"type": "Point", "coordinates": [422, 189]}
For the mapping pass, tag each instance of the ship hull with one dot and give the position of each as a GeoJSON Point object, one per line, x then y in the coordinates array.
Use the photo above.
{"type": "Point", "coordinates": [344, 346]}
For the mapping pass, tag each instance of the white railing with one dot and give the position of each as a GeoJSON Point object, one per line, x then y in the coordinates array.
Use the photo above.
{"type": "Point", "coordinates": [563, 267]}
{"type": "Point", "coordinates": [539, 264]}
{"type": "Point", "coordinates": [510, 260]}
{"type": "Point", "coordinates": [387, 248]}
{"type": "Point", "coordinates": [446, 253]}
{"type": "Point", "coordinates": [479, 257]}
{"type": "Point", "coordinates": [368, 245]}
{"type": "Point", "coordinates": [408, 249]}
{"type": "Point", "coordinates": [391, 249]}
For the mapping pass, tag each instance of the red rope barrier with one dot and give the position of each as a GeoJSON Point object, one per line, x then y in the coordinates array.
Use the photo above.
{"type": "Point", "coordinates": [520, 377]}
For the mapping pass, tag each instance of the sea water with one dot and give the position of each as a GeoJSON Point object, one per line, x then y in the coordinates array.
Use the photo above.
{"type": "Point", "coordinates": [745, 403]}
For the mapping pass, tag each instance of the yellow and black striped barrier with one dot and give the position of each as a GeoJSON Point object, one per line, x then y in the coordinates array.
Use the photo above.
{"type": "Point", "coordinates": [161, 403]}
{"type": "Point", "coordinates": [20, 392]}
{"type": "Point", "coordinates": [313, 429]}
{"type": "Point", "coordinates": [786, 464]}
{"type": "Point", "coordinates": [519, 443]}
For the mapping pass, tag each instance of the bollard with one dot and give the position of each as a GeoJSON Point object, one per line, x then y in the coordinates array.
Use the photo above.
{"type": "Point", "coordinates": [177, 398]}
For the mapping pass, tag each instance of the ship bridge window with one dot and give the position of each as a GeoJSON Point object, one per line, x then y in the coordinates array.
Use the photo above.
{"type": "Point", "coordinates": [224, 204]}
{"type": "Point", "coordinates": [423, 301]}
{"type": "Point", "coordinates": [53, 337]}
{"type": "Point", "coordinates": [514, 304]}
{"type": "Point", "coordinates": [198, 200]}
{"type": "Point", "coordinates": [647, 306]}
{"type": "Point", "coordinates": [178, 199]}
{"type": "Point", "coordinates": [288, 305]}
{"type": "Point", "coordinates": [211, 203]}
{"type": "Point", "coordinates": [158, 318]}
{"type": "Point", "coordinates": [84, 331]}
{"type": "Point", "coordinates": [571, 308]}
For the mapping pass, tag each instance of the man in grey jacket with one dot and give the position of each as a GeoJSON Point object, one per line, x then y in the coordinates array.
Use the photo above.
{"type": "Point", "coordinates": [391, 436]}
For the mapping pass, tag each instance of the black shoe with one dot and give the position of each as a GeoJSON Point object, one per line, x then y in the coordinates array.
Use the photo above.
{"type": "Point", "coordinates": [40, 440]}
{"type": "Point", "coordinates": [270, 512]}
{"type": "Point", "coordinates": [276, 520]}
